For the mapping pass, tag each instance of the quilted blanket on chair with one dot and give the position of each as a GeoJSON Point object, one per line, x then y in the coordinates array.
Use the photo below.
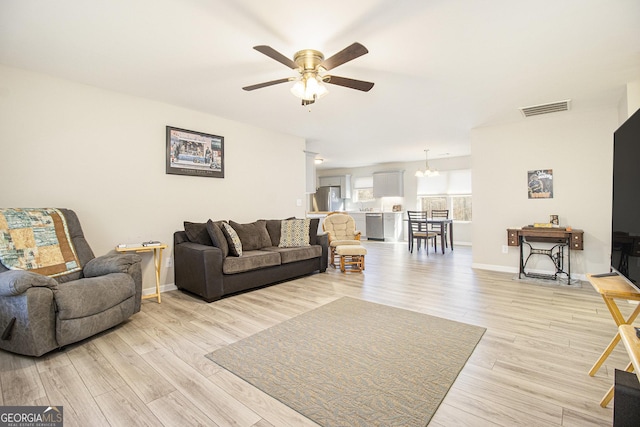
{"type": "Point", "coordinates": [37, 240]}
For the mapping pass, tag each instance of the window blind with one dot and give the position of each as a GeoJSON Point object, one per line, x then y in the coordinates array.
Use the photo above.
{"type": "Point", "coordinates": [363, 182]}
{"type": "Point", "coordinates": [447, 182]}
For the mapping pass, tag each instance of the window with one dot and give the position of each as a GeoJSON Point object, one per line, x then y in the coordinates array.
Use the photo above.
{"type": "Point", "coordinates": [363, 189]}
{"type": "Point", "coordinates": [461, 207]}
{"type": "Point", "coordinates": [450, 190]}
{"type": "Point", "coordinates": [363, 195]}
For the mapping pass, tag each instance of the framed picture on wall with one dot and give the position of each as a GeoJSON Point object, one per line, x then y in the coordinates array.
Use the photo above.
{"type": "Point", "coordinates": [540, 184]}
{"type": "Point", "coordinates": [194, 153]}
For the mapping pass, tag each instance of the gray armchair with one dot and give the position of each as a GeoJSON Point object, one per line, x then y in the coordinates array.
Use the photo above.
{"type": "Point", "coordinates": [39, 313]}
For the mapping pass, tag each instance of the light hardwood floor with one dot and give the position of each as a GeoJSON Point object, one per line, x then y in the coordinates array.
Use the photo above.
{"type": "Point", "coordinates": [529, 369]}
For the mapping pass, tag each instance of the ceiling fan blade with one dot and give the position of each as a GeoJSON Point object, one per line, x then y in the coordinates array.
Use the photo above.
{"type": "Point", "coordinates": [274, 54]}
{"type": "Point", "coordinates": [345, 55]}
{"type": "Point", "coordinates": [350, 83]}
{"type": "Point", "coordinates": [265, 84]}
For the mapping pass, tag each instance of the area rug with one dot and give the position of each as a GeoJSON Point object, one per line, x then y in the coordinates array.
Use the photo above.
{"type": "Point", "coordinates": [356, 363]}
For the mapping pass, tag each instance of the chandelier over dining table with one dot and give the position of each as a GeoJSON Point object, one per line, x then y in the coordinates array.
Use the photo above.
{"type": "Point", "coordinates": [427, 170]}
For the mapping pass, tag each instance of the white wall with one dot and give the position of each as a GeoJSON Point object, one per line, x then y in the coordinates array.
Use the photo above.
{"type": "Point", "coordinates": [578, 147]}
{"type": "Point", "coordinates": [102, 154]}
{"type": "Point", "coordinates": [633, 98]}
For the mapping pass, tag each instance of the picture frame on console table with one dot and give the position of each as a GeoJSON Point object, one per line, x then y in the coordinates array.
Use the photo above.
{"type": "Point", "coordinates": [194, 153]}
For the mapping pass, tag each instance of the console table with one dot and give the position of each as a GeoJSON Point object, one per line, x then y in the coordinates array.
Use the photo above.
{"type": "Point", "coordinates": [561, 237]}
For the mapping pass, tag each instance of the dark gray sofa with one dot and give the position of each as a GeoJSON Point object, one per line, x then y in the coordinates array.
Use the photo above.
{"type": "Point", "coordinates": [40, 313]}
{"type": "Point", "coordinates": [205, 266]}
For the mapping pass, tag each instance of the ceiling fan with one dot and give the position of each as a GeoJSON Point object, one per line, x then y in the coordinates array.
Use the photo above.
{"type": "Point", "coordinates": [312, 69]}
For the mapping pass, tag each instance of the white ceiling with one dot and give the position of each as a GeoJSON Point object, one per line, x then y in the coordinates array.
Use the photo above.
{"type": "Point", "coordinates": [440, 67]}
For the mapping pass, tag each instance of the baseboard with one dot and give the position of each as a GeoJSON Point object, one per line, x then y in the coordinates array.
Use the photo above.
{"type": "Point", "coordinates": [498, 268]}
{"type": "Point", "coordinates": [164, 288]}
{"type": "Point", "coordinates": [515, 270]}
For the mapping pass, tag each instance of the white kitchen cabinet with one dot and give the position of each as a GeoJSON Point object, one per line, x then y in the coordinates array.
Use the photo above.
{"type": "Point", "coordinates": [342, 181]}
{"type": "Point", "coordinates": [329, 180]}
{"type": "Point", "coordinates": [388, 184]}
{"type": "Point", "coordinates": [393, 228]}
{"type": "Point", "coordinates": [361, 222]}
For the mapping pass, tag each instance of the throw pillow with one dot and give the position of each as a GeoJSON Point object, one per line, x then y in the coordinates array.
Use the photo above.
{"type": "Point", "coordinates": [235, 245]}
{"type": "Point", "coordinates": [294, 233]}
{"type": "Point", "coordinates": [273, 227]}
{"type": "Point", "coordinates": [197, 233]}
{"type": "Point", "coordinates": [253, 236]}
{"type": "Point", "coordinates": [217, 237]}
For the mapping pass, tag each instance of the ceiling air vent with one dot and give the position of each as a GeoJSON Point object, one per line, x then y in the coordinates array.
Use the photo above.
{"type": "Point", "coordinates": [553, 107]}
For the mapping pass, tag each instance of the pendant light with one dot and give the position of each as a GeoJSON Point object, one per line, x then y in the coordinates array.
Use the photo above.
{"type": "Point", "coordinates": [427, 170]}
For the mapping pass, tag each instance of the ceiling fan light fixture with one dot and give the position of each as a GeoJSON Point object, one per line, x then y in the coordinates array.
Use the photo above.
{"type": "Point", "coordinates": [312, 67]}
{"type": "Point", "coordinates": [298, 89]}
{"type": "Point", "coordinates": [309, 88]}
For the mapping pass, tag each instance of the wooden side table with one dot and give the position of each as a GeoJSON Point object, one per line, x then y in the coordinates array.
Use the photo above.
{"type": "Point", "coordinates": [157, 262]}
{"type": "Point", "coordinates": [611, 288]}
{"type": "Point", "coordinates": [632, 344]}
{"type": "Point", "coordinates": [627, 334]}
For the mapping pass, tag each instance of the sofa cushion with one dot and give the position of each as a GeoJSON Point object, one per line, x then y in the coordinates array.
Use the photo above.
{"type": "Point", "coordinates": [294, 233]}
{"type": "Point", "coordinates": [250, 260]}
{"type": "Point", "coordinates": [197, 233]}
{"type": "Point", "coordinates": [235, 245]}
{"type": "Point", "coordinates": [288, 255]}
{"type": "Point", "coordinates": [273, 227]}
{"type": "Point", "coordinates": [253, 236]}
{"type": "Point", "coordinates": [217, 237]}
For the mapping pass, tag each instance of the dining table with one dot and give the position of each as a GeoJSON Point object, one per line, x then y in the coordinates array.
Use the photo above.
{"type": "Point", "coordinates": [442, 222]}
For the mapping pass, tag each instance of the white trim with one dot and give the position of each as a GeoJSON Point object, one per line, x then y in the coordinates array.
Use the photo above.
{"type": "Point", "coordinates": [163, 288]}
{"type": "Point", "coordinates": [515, 270]}
{"type": "Point", "coordinates": [490, 267]}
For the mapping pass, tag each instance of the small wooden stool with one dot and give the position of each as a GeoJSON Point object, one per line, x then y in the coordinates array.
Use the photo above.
{"type": "Point", "coordinates": [351, 255]}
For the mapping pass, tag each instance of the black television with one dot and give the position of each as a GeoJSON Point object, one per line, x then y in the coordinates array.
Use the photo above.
{"type": "Point", "coordinates": [625, 220]}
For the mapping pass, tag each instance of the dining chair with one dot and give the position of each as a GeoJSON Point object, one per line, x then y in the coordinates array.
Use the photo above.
{"type": "Point", "coordinates": [418, 231]}
{"type": "Point", "coordinates": [440, 228]}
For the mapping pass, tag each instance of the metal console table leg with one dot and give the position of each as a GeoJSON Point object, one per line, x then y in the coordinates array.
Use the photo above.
{"type": "Point", "coordinates": [556, 254]}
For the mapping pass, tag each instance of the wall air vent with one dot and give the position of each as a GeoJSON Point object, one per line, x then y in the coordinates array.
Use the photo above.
{"type": "Point", "coordinates": [553, 107]}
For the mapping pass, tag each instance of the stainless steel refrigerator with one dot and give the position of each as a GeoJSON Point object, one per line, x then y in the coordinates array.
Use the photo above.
{"type": "Point", "coordinates": [327, 199]}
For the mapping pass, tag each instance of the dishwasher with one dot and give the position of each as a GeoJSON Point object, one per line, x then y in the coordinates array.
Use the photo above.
{"type": "Point", "coordinates": [375, 226]}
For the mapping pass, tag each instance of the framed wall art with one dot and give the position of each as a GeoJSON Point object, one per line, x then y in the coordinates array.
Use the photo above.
{"type": "Point", "coordinates": [540, 184]}
{"type": "Point", "coordinates": [194, 153]}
